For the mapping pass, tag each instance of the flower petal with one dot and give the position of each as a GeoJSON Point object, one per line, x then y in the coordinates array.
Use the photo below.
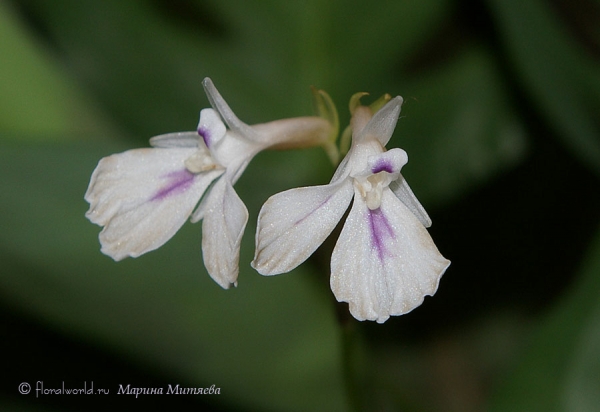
{"type": "Point", "coordinates": [142, 197]}
{"type": "Point", "coordinates": [224, 220]}
{"type": "Point", "coordinates": [390, 161]}
{"type": "Point", "coordinates": [382, 124]}
{"type": "Point", "coordinates": [210, 127]}
{"type": "Point", "coordinates": [180, 139]}
{"type": "Point", "coordinates": [294, 223]}
{"type": "Point", "coordinates": [384, 262]}
{"type": "Point", "coordinates": [401, 189]}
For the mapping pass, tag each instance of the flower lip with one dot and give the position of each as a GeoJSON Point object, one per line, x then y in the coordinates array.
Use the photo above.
{"type": "Point", "coordinates": [381, 230]}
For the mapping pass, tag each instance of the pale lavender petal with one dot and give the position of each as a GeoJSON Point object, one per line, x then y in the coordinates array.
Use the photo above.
{"type": "Point", "coordinates": [403, 191]}
{"type": "Point", "coordinates": [382, 165]}
{"type": "Point", "coordinates": [224, 221]}
{"type": "Point", "coordinates": [384, 262]}
{"type": "Point", "coordinates": [205, 134]}
{"type": "Point", "coordinates": [176, 183]}
{"type": "Point", "coordinates": [210, 127]}
{"type": "Point", "coordinates": [294, 223]}
{"type": "Point", "coordinates": [390, 161]}
{"type": "Point", "coordinates": [382, 234]}
{"type": "Point", "coordinates": [142, 197]}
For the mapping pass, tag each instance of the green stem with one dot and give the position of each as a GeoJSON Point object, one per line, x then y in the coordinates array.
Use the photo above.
{"type": "Point", "coordinates": [353, 364]}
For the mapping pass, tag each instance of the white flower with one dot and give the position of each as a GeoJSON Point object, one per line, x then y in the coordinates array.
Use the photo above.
{"type": "Point", "coordinates": [142, 197]}
{"type": "Point", "coordinates": [384, 262]}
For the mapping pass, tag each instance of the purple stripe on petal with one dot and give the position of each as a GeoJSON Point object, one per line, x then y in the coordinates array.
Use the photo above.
{"type": "Point", "coordinates": [178, 182]}
{"type": "Point", "coordinates": [381, 231]}
{"type": "Point", "coordinates": [383, 165]}
{"type": "Point", "coordinates": [314, 210]}
{"type": "Point", "coordinates": [205, 133]}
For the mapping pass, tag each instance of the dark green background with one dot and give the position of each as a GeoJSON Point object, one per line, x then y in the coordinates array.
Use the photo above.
{"type": "Point", "coordinates": [501, 125]}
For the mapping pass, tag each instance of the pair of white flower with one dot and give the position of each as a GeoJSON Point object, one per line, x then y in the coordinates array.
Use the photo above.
{"type": "Point", "coordinates": [384, 262]}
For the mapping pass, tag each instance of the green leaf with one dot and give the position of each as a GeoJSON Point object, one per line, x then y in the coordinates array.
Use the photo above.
{"type": "Point", "coordinates": [147, 71]}
{"type": "Point", "coordinates": [560, 370]}
{"type": "Point", "coordinates": [561, 77]}
{"type": "Point", "coordinates": [458, 127]}
{"type": "Point", "coordinates": [38, 101]}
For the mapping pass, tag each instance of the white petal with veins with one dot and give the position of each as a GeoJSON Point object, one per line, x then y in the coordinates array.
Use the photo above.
{"type": "Point", "coordinates": [225, 217]}
{"type": "Point", "coordinates": [384, 262]}
{"type": "Point", "coordinates": [294, 223]}
{"type": "Point", "coordinates": [401, 189]}
{"type": "Point", "coordinates": [142, 197]}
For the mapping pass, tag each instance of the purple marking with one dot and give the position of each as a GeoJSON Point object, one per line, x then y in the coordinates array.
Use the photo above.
{"type": "Point", "coordinates": [179, 182]}
{"type": "Point", "coordinates": [313, 211]}
{"type": "Point", "coordinates": [381, 231]}
{"type": "Point", "coordinates": [383, 165]}
{"type": "Point", "coordinates": [205, 133]}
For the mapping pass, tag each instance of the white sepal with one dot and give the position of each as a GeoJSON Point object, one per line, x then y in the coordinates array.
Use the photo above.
{"type": "Point", "coordinates": [198, 214]}
{"type": "Point", "coordinates": [142, 197]}
{"type": "Point", "coordinates": [381, 126]}
{"type": "Point", "coordinates": [384, 262]}
{"type": "Point", "coordinates": [294, 223]}
{"type": "Point", "coordinates": [224, 220]}
{"type": "Point", "coordinates": [179, 139]}
{"type": "Point", "coordinates": [401, 189]}
{"type": "Point", "coordinates": [220, 105]}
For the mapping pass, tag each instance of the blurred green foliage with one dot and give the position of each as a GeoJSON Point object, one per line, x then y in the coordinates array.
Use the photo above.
{"type": "Point", "coordinates": [483, 83]}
